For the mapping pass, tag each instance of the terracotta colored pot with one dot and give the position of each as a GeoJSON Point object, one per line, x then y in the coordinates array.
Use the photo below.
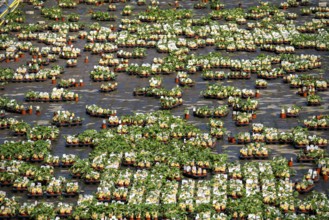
{"type": "Point", "coordinates": [104, 126]}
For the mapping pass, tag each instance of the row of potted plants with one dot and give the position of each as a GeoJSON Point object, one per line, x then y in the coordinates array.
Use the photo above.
{"type": "Point", "coordinates": [26, 150]}
{"type": "Point", "coordinates": [158, 92]}
{"type": "Point", "coordinates": [83, 139]}
{"type": "Point", "coordinates": [297, 136]}
{"type": "Point", "coordinates": [254, 150]}
{"type": "Point", "coordinates": [206, 111]}
{"type": "Point", "coordinates": [310, 154]}
{"type": "Point", "coordinates": [101, 73]}
{"type": "Point", "coordinates": [22, 74]}
{"type": "Point", "coordinates": [7, 122]}
{"type": "Point", "coordinates": [317, 122]}
{"type": "Point", "coordinates": [56, 95]}
{"type": "Point", "coordinates": [65, 118]}
{"type": "Point", "coordinates": [11, 105]}
{"type": "Point", "coordinates": [218, 91]}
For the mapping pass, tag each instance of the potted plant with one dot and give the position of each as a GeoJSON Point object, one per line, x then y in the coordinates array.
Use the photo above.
{"type": "Point", "coordinates": [314, 100]}
{"type": "Point", "coordinates": [293, 111]}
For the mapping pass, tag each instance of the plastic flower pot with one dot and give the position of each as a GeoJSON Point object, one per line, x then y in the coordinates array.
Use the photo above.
{"type": "Point", "coordinates": [290, 163]}
{"type": "Point", "coordinates": [30, 110]}
{"type": "Point", "coordinates": [37, 111]}
{"type": "Point", "coordinates": [23, 112]}
{"type": "Point", "coordinates": [187, 116]}
{"type": "Point", "coordinates": [53, 80]}
{"type": "Point", "coordinates": [86, 60]}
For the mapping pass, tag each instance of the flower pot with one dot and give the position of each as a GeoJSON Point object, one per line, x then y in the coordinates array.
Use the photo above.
{"type": "Point", "coordinates": [325, 177]}
{"type": "Point", "coordinates": [187, 116]}
{"type": "Point", "coordinates": [104, 126]}
{"type": "Point", "coordinates": [283, 115]}
{"type": "Point", "coordinates": [86, 60]}
{"type": "Point", "coordinates": [257, 94]}
{"type": "Point", "coordinates": [318, 170]}
{"type": "Point", "coordinates": [38, 112]}
{"type": "Point", "coordinates": [81, 84]}
{"type": "Point", "coordinates": [76, 84]}
{"type": "Point", "coordinates": [7, 60]}
{"type": "Point", "coordinates": [290, 163]}
{"type": "Point", "coordinates": [232, 140]}
{"type": "Point", "coordinates": [304, 94]}
{"type": "Point", "coordinates": [76, 98]}
{"type": "Point", "coordinates": [177, 80]}
{"type": "Point", "coordinates": [30, 111]}
{"type": "Point", "coordinates": [53, 81]}
{"type": "Point", "coordinates": [23, 112]}
{"type": "Point", "coordinates": [254, 116]}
